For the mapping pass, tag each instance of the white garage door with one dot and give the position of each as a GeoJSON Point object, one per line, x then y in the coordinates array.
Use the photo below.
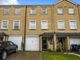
{"type": "Point", "coordinates": [17, 40]}
{"type": "Point", "coordinates": [32, 43]}
{"type": "Point", "coordinates": [74, 41]}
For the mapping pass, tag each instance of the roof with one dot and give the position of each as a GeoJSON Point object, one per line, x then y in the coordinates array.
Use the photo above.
{"type": "Point", "coordinates": [68, 33]}
{"type": "Point", "coordinates": [70, 1]}
{"type": "Point", "coordinates": [3, 34]}
{"type": "Point", "coordinates": [51, 34]}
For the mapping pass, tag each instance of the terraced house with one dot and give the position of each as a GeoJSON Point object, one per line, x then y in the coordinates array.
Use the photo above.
{"type": "Point", "coordinates": [41, 27]}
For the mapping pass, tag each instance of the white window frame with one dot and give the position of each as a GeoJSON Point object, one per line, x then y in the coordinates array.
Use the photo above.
{"type": "Point", "coordinates": [14, 25]}
{"type": "Point", "coordinates": [46, 10]}
{"type": "Point", "coordinates": [17, 10]}
{"type": "Point", "coordinates": [30, 25]}
{"type": "Point", "coordinates": [4, 11]}
{"type": "Point", "coordinates": [32, 12]}
{"type": "Point", "coordinates": [71, 10]}
{"type": "Point", "coordinates": [75, 24]}
{"type": "Point", "coordinates": [42, 24]}
{"type": "Point", "coordinates": [58, 26]}
{"type": "Point", "coordinates": [2, 24]}
{"type": "Point", "coordinates": [59, 10]}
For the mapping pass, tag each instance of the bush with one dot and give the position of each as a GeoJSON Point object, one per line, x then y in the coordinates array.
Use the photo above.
{"type": "Point", "coordinates": [49, 50]}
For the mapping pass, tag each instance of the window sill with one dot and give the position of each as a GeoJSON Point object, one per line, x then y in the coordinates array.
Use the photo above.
{"type": "Point", "coordinates": [44, 14]}
{"type": "Point", "coordinates": [61, 29]}
{"type": "Point", "coordinates": [44, 29]}
{"type": "Point", "coordinates": [17, 14]}
{"type": "Point", "coordinates": [15, 29]}
{"type": "Point", "coordinates": [73, 29]}
{"type": "Point", "coordinates": [32, 14]}
{"type": "Point", "coordinates": [32, 29]}
{"type": "Point", "coordinates": [59, 14]}
{"type": "Point", "coordinates": [71, 14]}
{"type": "Point", "coordinates": [3, 29]}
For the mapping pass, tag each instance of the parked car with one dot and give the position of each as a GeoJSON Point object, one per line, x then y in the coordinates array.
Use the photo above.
{"type": "Point", "coordinates": [7, 47]}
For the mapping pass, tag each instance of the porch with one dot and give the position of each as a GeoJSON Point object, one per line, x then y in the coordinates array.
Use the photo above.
{"type": "Point", "coordinates": [3, 36]}
{"type": "Point", "coordinates": [58, 41]}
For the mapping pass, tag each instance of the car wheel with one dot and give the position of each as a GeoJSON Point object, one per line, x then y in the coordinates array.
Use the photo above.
{"type": "Point", "coordinates": [4, 55]}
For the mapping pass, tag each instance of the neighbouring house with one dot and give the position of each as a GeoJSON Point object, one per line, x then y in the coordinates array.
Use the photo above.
{"type": "Point", "coordinates": [42, 27]}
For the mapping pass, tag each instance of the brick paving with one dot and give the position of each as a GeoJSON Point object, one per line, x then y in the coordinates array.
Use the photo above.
{"type": "Point", "coordinates": [25, 56]}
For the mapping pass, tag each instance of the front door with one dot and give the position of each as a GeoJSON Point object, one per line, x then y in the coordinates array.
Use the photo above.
{"type": "Point", "coordinates": [44, 43]}
{"type": "Point", "coordinates": [61, 43]}
{"type": "Point", "coordinates": [1, 38]}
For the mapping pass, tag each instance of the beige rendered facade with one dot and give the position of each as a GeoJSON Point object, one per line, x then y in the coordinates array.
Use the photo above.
{"type": "Point", "coordinates": [42, 27]}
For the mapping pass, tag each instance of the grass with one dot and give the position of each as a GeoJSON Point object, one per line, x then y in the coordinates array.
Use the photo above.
{"type": "Point", "coordinates": [58, 56]}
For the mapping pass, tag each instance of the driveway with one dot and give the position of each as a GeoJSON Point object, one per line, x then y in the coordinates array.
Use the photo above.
{"type": "Point", "coordinates": [25, 56]}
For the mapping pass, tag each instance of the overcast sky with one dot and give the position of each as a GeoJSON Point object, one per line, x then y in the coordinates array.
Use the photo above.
{"type": "Point", "coordinates": [32, 2]}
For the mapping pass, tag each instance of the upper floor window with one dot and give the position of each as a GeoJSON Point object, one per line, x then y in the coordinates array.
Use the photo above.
{"type": "Point", "coordinates": [44, 24]}
{"type": "Point", "coordinates": [73, 24]}
{"type": "Point", "coordinates": [4, 24]}
{"type": "Point", "coordinates": [59, 11]}
{"type": "Point", "coordinates": [44, 11]}
{"type": "Point", "coordinates": [17, 11]}
{"type": "Point", "coordinates": [32, 11]}
{"type": "Point", "coordinates": [61, 24]}
{"type": "Point", "coordinates": [32, 24]}
{"type": "Point", "coordinates": [6, 11]}
{"type": "Point", "coordinates": [16, 24]}
{"type": "Point", "coordinates": [71, 10]}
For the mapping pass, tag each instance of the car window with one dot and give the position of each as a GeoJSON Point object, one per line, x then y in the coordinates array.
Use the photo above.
{"type": "Point", "coordinates": [11, 43]}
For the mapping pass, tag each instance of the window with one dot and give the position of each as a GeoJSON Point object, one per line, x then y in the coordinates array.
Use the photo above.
{"type": "Point", "coordinates": [16, 24]}
{"type": "Point", "coordinates": [60, 24]}
{"type": "Point", "coordinates": [71, 11]}
{"type": "Point", "coordinates": [44, 11]}
{"type": "Point", "coordinates": [4, 24]}
{"type": "Point", "coordinates": [17, 11]}
{"type": "Point", "coordinates": [32, 11]}
{"type": "Point", "coordinates": [73, 25]}
{"type": "Point", "coordinates": [44, 24]}
{"type": "Point", "coordinates": [59, 11]}
{"type": "Point", "coordinates": [11, 43]}
{"type": "Point", "coordinates": [6, 11]}
{"type": "Point", "coordinates": [32, 24]}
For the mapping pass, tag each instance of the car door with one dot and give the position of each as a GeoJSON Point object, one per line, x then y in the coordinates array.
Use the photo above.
{"type": "Point", "coordinates": [10, 47]}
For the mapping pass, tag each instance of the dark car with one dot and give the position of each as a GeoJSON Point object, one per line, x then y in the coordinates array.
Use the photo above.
{"type": "Point", "coordinates": [6, 48]}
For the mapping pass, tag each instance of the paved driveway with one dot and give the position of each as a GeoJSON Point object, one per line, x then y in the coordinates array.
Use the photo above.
{"type": "Point", "coordinates": [25, 56]}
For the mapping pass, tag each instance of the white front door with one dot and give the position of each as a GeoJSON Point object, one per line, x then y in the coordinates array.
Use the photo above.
{"type": "Point", "coordinates": [32, 43]}
{"type": "Point", "coordinates": [74, 41]}
{"type": "Point", "coordinates": [17, 40]}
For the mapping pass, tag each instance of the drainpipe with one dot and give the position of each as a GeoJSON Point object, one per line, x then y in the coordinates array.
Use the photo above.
{"type": "Point", "coordinates": [25, 27]}
{"type": "Point", "coordinates": [78, 12]}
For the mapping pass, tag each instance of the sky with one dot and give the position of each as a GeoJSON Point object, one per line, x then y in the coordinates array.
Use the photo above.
{"type": "Point", "coordinates": [32, 2]}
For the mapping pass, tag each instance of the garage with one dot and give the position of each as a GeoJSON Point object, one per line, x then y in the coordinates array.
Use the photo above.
{"type": "Point", "coordinates": [17, 40]}
{"type": "Point", "coordinates": [32, 43]}
{"type": "Point", "coordinates": [75, 41]}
